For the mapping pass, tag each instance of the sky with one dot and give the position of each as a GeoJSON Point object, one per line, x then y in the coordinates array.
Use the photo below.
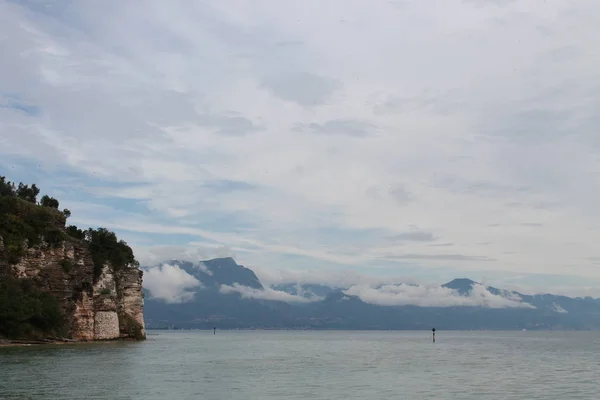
{"type": "Point", "coordinates": [424, 139]}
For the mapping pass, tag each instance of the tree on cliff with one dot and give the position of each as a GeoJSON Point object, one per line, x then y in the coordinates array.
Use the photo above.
{"type": "Point", "coordinates": [28, 193]}
{"type": "Point", "coordinates": [75, 232]}
{"type": "Point", "coordinates": [22, 191]}
{"type": "Point", "coordinates": [105, 247]}
{"type": "Point", "coordinates": [48, 201]}
{"type": "Point", "coordinates": [7, 188]}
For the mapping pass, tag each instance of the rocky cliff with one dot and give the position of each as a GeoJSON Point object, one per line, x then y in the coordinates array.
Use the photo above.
{"type": "Point", "coordinates": [97, 290]}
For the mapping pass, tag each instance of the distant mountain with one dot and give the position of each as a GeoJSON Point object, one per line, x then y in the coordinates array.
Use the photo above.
{"type": "Point", "coordinates": [305, 290]}
{"type": "Point", "coordinates": [209, 306]}
{"type": "Point", "coordinates": [232, 296]}
{"type": "Point", "coordinates": [542, 302]}
{"type": "Point", "coordinates": [463, 285]}
{"type": "Point", "coordinates": [219, 271]}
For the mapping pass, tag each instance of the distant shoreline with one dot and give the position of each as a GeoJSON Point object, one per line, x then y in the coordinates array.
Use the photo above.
{"type": "Point", "coordinates": [520, 330]}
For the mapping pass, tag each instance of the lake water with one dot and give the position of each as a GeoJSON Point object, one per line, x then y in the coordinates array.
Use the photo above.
{"type": "Point", "coordinates": [311, 365]}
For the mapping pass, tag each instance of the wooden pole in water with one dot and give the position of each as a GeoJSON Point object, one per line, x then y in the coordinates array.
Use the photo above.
{"type": "Point", "coordinates": [433, 331]}
{"type": "Point", "coordinates": [214, 330]}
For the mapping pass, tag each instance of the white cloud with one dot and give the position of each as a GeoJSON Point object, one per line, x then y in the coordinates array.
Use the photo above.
{"type": "Point", "coordinates": [170, 283]}
{"type": "Point", "coordinates": [333, 278]}
{"type": "Point", "coordinates": [266, 294]}
{"type": "Point", "coordinates": [203, 268]}
{"type": "Point", "coordinates": [432, 296]}
{"type": "Point", "coordinates": [293, 130]}
{"type": "Point", "coordinates": [193, 252]}
{"type": "Point", "coordinates": [574, 290]}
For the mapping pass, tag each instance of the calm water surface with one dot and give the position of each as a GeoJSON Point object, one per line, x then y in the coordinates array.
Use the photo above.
{"type": "Point", "coordinates": [311, 365]}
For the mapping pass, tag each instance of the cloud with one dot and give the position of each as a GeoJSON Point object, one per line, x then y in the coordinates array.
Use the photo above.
{"type": "Point", "coordinates": [202, 267]}
{"type": "Point", "coordinates": [400, 194]}
{"type": "Point", "coordinates": [558, 309]}
{"type": "Point", "coordinates": [329, 277]}
{"type": "Point", "coordinates": [441, 257]}
{"type": "Point", "coordinates": [153, 254]}
{"type": "Point", "coordinates": [266, 294]}
{"type": "Point", "coordinates": [305, 88]}
{"type": "Point", "coordinates": [532, 224]}
{"type": "Point", "coordinates": [432, 296]}
{"type": "Point", "coordinates": [228, 124]}
{"type": "Point", "coordinates": [8, 102]}
{"type": "Point", "coordinates": [415, 236]}
{"type": "Point", "coordinates": [345, 127]}
{"type": "Point", "coordinates": [170, 283]}
{"type": "Point", "coordinates": [176, 124]}
{"type": "Point", "coordinates": [558, 285]}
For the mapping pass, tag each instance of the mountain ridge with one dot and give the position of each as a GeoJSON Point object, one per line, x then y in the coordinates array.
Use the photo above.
{"type": "Point", "coordinates": [232, 296]}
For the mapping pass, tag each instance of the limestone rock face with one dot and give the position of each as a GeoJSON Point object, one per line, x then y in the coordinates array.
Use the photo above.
{"type": "Point", "coordinates": [109, 307]}
{"type": "Point", "coordinates": [130, 291]}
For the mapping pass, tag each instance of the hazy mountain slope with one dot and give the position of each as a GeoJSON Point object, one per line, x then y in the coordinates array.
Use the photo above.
{"type": "Point", "coordinates": [249, 304]}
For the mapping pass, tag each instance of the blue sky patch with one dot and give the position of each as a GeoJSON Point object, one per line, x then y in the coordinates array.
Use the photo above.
{"type": "Point", "coordinates": [12, 102]}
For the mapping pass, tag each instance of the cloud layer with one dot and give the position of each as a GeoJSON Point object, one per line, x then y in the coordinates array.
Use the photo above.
{"type": "Point", "coordinates": [433, 296]}
{"type": "Point", "coordinates": [265, 294]}
{"type": "Point", "coordinates": [170, 283]}
{"type": "Point", "coordinates": [376, 137]}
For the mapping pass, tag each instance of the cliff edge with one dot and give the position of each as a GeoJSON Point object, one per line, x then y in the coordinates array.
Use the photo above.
{"type": "Point", "coordinates": [63, 282]}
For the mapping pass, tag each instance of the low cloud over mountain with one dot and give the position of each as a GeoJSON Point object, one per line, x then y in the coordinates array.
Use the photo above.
{"type": "Point", "coordinates": [170, 283]}
{"type": "Point", "coordinates": [266, 294]}
{"type": "Point", "coordinates": [220, 291]}
{"type": "Point", "coordinates": [432, 296]}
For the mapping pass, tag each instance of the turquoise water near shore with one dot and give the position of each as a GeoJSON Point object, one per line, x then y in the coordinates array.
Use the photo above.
{"type": "Point", "coordinates": [310, 365]}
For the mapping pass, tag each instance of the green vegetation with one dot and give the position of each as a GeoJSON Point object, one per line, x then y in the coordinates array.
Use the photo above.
{"type": "Point", "coordinates": [105, 247]}
{"type": "Point", "coordinates": [131, 327]}
{"type": "Point", "coordinates": [24, 221]}
{"type": "Point", "coordinates": [50, 202]}
{"type": "Point", "coordinates": [75, 232]}
{"type": "Point", "coordinates": [25, 310]}
{"type": "Point", "coordinates": [67, 265]}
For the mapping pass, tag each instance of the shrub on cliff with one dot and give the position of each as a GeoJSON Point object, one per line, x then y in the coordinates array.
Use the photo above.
{"type": "Point", "coordinates": [105, 247]}
{"type": "Point", "coordinates": [7, 189]}
{"type": "Point", "coordinates": [22, 220]}
{"type": "Point", "coordinates": [130, 327]}
{"type": "Point", "coordinates": [75, 232]}
{"type": "Point", "coordinates": [48, 201]}
{"type": "Point", "coordinates": [22, 191]}
{"type": "Point", "coordinates": [27, 312]}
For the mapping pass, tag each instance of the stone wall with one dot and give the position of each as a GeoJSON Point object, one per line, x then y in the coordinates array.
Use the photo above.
{"type": "Point", "coordinates": [106, 322]}
{"type": "Point", "coordinates": [106, 325]}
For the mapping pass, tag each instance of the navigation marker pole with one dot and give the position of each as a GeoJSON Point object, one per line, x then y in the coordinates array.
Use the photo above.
{"type": "Point", "coordinates": [433, 331]}
{"type": "Point", "coordinates": [214, 330]}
